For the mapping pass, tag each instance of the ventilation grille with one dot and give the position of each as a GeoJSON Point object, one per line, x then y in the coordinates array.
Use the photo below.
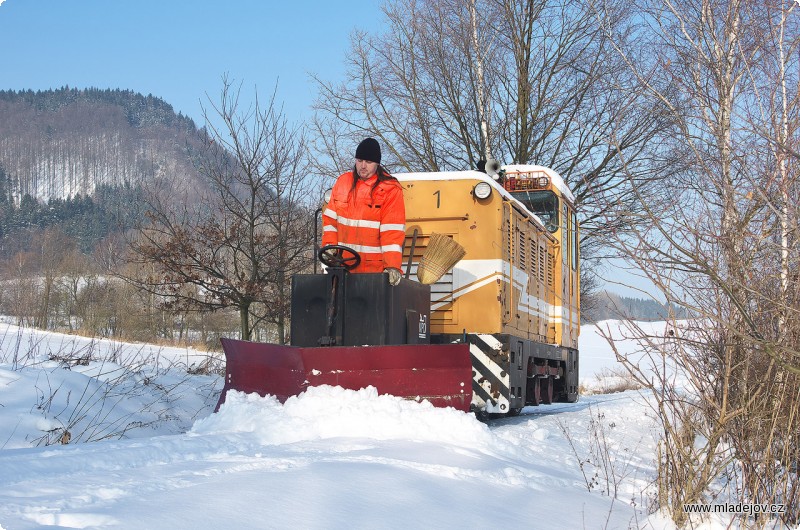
{"type": "Point", "coordinates": [441, 291]}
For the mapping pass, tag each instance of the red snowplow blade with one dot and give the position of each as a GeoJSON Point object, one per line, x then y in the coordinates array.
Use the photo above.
{"type": "Point", "coordinates": [440, 373]}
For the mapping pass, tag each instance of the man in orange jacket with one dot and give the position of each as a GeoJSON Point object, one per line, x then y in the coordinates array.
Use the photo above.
{"type": "Point", "coordinates": [367, 213]}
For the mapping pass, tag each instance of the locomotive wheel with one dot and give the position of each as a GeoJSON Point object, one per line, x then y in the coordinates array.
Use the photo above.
{"type": "Point", "coordinates": [534, 391]}
{"type": "Point", "coordinates": [547, 385]}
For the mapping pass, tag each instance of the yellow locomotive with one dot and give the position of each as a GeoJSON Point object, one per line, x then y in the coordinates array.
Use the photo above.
{"type": "Point", "coordinates": [497, 332]}
{"type": "Point", "coordinates": [515, 294]}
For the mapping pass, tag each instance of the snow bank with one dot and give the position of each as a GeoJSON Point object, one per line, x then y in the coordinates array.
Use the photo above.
{"type": "Point", "coordinates": [326, 412]}
{"type": "Point", "coordinates": [328, 458]}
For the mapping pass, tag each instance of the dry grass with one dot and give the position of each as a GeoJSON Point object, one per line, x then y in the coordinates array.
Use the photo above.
{"type": "Point", "coordinates": [611, 381]}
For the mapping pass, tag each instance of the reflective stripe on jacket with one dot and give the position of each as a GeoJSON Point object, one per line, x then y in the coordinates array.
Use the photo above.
{"type": "Point", "coordinates": [370, 222]}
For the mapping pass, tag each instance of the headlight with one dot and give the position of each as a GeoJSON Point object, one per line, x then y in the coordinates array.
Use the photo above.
{"type": "Point", "coordinates": [482, 190]}
{"type": "Point", "coordinates": [327, 196]}
{"type": "Point", "coordinates": [543, 182]}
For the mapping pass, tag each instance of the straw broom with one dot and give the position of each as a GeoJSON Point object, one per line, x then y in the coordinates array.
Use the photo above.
{"type": "Point", "coordinates": [441, 255]}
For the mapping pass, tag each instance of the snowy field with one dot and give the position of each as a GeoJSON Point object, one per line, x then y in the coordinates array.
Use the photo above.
{"type": "Point", "coordinates": [146, 452]}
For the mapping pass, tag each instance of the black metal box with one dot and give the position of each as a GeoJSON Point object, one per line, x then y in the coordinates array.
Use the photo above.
{"type": "Point", "coordinates": [369, 310]}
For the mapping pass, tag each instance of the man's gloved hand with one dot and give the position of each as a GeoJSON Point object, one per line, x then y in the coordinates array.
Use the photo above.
{"type": "Point", "coordinates": [394, 276]}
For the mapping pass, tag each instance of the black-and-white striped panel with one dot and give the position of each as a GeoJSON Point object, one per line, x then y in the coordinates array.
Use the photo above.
{"type": "Point", "coordinates": [490, 381]}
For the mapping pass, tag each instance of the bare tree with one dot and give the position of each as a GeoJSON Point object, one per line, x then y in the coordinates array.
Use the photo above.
{"type": "Point", "coordinates": [52, 246]}
{"type": "Point", "coordinates": [725, 384]}
{"type": "Point", "coordinates": [21, 293]}
{"type": "Point", "coordinates": [239, 245]}
{"type": "Point", "coordinates": [448, 83]}
{"type": "Point", "coordinates": [452, 82]}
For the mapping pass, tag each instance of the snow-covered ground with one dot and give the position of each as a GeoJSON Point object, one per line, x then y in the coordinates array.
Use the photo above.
{"type": "Point", "coordinates": [158, 458]}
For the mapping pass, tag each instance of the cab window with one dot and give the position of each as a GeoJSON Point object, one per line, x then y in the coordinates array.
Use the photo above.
{"type": "Point", "coordinates": [543, 203]}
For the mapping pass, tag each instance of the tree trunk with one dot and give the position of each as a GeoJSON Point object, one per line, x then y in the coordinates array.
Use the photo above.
{"type": "Point", "coordinates": [244, 320]}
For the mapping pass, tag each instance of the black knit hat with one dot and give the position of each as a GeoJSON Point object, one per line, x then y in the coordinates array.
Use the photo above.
{"type": "Point", "coordinates": [369, 149]}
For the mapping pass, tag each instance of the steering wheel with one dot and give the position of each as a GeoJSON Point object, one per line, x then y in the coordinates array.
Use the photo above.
{"type": "Point", "coordinates": [339, 259]}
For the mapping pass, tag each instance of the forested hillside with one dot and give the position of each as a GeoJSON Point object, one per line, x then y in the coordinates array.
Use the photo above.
{"type": "Point", "coordinates": [79, 169]}
{"type": "Point", "coordinates": [74, 169]}
{"type": "Point", "coordinates": [62, 143]}
{"type": "Point", "coordinates": [605, 305]}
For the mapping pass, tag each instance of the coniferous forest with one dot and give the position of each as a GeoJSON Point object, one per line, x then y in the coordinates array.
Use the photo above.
{"type": "Point", "coordinates": [86, 219]}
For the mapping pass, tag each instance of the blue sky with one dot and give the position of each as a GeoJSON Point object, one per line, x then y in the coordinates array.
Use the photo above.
{"type": "Point", "coordinates": [178, 50]}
